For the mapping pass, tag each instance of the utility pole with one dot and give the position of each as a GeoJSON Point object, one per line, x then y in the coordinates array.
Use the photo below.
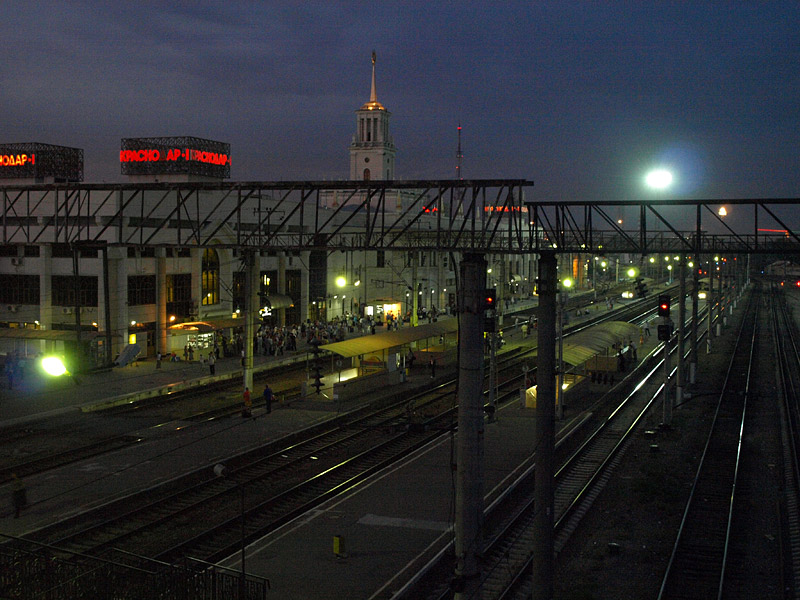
{"type": "Point", "coordinates": [664, 334]}
{"type": "Point", "coordinates": [681, 319]}
{"type": "Point", "coordinates": [469, 450]}
{"type": "Point", "coordinates": [545, 431]}
{"type": "Point", "coordinates": [695, 324]}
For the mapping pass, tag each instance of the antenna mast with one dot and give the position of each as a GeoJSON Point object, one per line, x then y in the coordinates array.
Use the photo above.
{"type": "Point", "coordinates": [459, 155]}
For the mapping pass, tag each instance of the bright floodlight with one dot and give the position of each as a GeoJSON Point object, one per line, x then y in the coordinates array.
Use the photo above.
{"type": "Point", "coordinates": [341, 282]}
{"type": "Point", "coordinates": [567, 283]}
{"type": "Point", "coordinates": [631, 272]}
{"type": "Point", "coordinates": [723, 211]}
{"type": "Point", "coordinates": [52, 365]}
{"type": "Point", "coordinates": [659, 179]}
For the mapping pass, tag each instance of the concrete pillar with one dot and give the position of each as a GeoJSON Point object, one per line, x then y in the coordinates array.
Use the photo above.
{"type": "Point", "coordinates": [251, 288]}
{"type": "Point", "coordinates": [304, 289]}
{"type": "Point", "coordinates": [197, 282]}
{"type": "Point", "coordinates": [46, 291]}
{"type": "Point", "coordinates": [281, 286]}
{"type": "Point", "coordinates": [161, 301]}
{"type": "Point", "coordinates": [118, 272]}
{"type": "Point", "coordinates": [104, 310]}
{"type": "Point", "coordinates": [414, 321]}
{"type": "Point", "coordinates": [469, 451]}
{"type": "Point", "coordinates": [545, 430]}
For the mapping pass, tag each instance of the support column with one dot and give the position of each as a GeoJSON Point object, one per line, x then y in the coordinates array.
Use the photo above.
{"type": "Point", "coordinates": [46, 292]}
{"type": "Point", "coordinates": [501, 293]}
{"type": "Point", "coordinates": [710, 306]}
{"type": "Point", "coordinates": [251, 310]}
{"type": "Point", "coordinates": [281, 285]}
{"type": "Point", "coordinates": [545, 430]}
{"type": "Point", "coordinates": [695, 323]}
{"type": "Point", "coordinates": [76, 271]}
{"type": "Point", "coordinates": [469, 451]}
{"type": "Point", "coordinates": [161, 301]}
{"type": "Point", "coordinates": [414, 321]}
{"type": "Point", "coordinates": [109, 354]}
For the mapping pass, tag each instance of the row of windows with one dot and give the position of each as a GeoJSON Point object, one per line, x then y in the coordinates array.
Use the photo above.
{"type": "Point", "coordinates": [24, 289]}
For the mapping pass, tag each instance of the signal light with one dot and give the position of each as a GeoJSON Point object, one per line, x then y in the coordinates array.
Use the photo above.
{"type": "Point", "coordinates": [663, 305]}
{"type": "Point", "coordinates": [641, 288]}
{"type": "Point", "coordinates": [489, 299]}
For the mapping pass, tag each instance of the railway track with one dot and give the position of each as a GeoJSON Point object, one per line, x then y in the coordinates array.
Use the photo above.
{"type": "Point", "coordinates": [291, 479]}
{"type": "Point", "coordinates": [697, 566]}
{"type": "Point", "coordinates": [585, 467]}
{"type": "Point", "coordinates": [788, 367]}
{"type": "Point", "coordinates": [290, 482]}
{"type": "Point", "coordinates": [63, 443]}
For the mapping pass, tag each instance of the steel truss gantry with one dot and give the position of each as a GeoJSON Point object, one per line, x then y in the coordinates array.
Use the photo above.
{"type": "Point", "coordinates": [447, 215]}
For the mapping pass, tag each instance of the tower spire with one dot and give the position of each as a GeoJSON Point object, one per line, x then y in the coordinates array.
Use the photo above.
{"type": "Point", "coordinates": [373, 94]}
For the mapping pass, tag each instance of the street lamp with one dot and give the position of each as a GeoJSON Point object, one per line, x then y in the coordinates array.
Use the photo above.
{"type": "Point", "coordinates": [658, 179]}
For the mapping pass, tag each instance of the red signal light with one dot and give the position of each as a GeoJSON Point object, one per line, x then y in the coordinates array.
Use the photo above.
{"type": "Point", "coordinates": [663, 305]}
{"type": "Point", "coordinates": [489, 297]}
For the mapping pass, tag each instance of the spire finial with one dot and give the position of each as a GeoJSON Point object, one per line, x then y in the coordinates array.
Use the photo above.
{"type": "Point", "coordinates": [373, 95]}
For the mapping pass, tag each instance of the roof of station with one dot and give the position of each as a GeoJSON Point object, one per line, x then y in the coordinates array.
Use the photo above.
{"type": "Point", "coordinates": [599, 338]}
{"type": "Point", "coordinates": [367, 344]}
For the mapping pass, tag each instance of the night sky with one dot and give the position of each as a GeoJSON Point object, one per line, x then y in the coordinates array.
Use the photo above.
{"type": "Point", "coordinates": [580, 97]}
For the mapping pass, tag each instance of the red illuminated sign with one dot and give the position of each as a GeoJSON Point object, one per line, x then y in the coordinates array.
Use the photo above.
{"type": "Point", "coordinates": [523, 209]}
{"type": "Point", "coordinates": [17, 160]}
{"type": "Point", "coordinates": [174, 154]}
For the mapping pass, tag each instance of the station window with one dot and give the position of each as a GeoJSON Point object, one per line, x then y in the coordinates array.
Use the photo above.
{"type": "Point", "coordinates": [210, 275]}
{"type": "Point", "coordinates": [19, 289]}
{"type": "Point", "coordinates": [63, 290]}
{"type": "Point", "coordinates": [179, 294]}
{"type": "Point", "coordinates": [141, 289]}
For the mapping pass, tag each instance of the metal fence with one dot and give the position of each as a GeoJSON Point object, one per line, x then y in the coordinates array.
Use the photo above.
{"type": "Point", "coordinates": [35, 572]}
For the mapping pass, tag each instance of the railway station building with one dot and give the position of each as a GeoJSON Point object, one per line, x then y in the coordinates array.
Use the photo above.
{"type": "Point", "coordinates": [162, 297]}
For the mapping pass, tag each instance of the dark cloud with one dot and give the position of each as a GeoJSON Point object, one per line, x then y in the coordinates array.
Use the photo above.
{"type": "Point", "coordinates": [580, 97]}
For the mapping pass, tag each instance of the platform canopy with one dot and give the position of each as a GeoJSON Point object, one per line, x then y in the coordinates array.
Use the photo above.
{"type": "Point", "coordinates": [276, 301]}
{"type": "Point", "coordinates": [367, 344]}
{"type": "Point", "coordinates": [596, 340]}
{"type": "Point", "coordinates": [207, 325]}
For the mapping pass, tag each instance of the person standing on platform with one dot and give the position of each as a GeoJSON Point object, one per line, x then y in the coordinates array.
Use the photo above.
{"type": "Point", "coordinates": [18, 495]}
{"type": "Point", "coordinates": [433, 368]}
{"type": "Point", "coordinates": [247, 411]}
{"type": "Point", "coordinates": [158, 360]}
{"type": "Point", "coordinates": [212, 362]}
{"type": "Point", "coordinates": [268, 398]}
{"type": "Point", "coordinates": [186, 353]}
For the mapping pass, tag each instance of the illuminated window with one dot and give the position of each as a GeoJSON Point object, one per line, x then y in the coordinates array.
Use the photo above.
{"type": "Point", "coordinates": [210, 270]}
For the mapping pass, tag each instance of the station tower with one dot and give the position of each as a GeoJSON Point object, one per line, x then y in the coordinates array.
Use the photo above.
{"type": "Point", "coordinates": [372, 151]}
